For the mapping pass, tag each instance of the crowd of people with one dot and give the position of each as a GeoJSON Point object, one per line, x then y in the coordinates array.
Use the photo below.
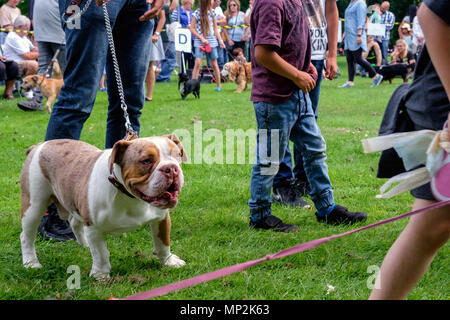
{"type": "Point", "coordinates": [372, 53]}
{"type": "Point", "coordinates": [367, 55]}
{"type": "Point", "coordinates": [288, 68]}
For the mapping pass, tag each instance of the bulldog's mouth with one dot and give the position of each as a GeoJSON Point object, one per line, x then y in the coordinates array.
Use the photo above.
{"type": "Point", "coordinates": [166, 199]}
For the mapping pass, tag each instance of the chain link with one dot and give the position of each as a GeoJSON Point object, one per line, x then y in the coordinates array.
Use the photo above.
{"type": "Point", "coordinates": [79, 14]}
{"type": "Point", "coordinates": [123, 104]}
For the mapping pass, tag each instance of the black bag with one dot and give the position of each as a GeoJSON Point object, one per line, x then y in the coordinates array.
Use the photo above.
{"type": "Point", "coordinates": [395, 119]}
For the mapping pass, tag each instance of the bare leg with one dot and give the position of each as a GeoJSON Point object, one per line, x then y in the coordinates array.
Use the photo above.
{"type": "Point", "coordinates": [413, 251]}
{"type": "Point", "coordinates": [196, 71]}
{"type": "Point", "coordinates": [9, 86]}
{"type": "Point", "coordinates": [216, 69]}
{"type": "Point", "coordinates": [150, 80]}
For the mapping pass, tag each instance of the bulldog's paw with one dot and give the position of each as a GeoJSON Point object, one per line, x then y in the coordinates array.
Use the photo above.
{"type": "Point", "coordinates": [100, 276]}
{"type": "Point", "coordinates": [173, 261]}
{"type": "Point", "coordinates": [33, 264]}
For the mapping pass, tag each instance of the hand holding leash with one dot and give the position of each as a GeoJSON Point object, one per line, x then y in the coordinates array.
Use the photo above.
{"type": "Point", "coordinates": [153, 12]}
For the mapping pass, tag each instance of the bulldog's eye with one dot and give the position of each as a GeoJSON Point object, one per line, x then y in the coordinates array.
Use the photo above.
{"type": "Point", "coordinates": [146, 162]}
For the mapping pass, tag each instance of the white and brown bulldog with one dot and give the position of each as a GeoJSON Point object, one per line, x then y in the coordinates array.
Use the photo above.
{"type": "Point", "coordinates": [103, 192]}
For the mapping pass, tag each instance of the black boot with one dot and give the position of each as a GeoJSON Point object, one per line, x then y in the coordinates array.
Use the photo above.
{"type": "Point", "coordinates": [52, 227]}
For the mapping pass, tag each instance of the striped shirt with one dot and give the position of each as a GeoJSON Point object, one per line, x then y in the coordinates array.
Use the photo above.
{"type": "Point", "coordinates": [388, 19]}
{"type": "Point", "coordinates": [210, 36]}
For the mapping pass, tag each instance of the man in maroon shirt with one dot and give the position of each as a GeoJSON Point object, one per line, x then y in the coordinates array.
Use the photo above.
{"type": "Point", "coordinates": [282, 77]}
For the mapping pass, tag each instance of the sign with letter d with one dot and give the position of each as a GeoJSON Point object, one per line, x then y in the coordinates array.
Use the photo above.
{"type": "Point", "coordinates": [183, 40]}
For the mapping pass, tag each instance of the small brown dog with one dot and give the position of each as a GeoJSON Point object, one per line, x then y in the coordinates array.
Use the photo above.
{"type": "Point", "coordinates": [239, 73]}
{"type": "Point", "coordinates": [50, 88]}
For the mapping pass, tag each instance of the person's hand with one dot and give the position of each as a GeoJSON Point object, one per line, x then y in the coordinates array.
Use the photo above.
{"type": "Point", "coordinates": [445, 137]}
{"type": "Point", "coordinates": [331, 68]}
{"type": "Point", "coordinates": [230, 42]}
{"type": "Point", "coordinates": [154, 38]}
{"type": "Point", "coordinates": [312, 70]}
{"type": "Point", "coordinates": [358, 39]}
{"type": "Point", "coordinates": [204, 41]}
{"type": "Point", "coordinates": [244, 37]}
{"type": "Point", "coordinates": [221, 44]}
{"type": "Point", "coordinates": [100, 2]}
{"type": "Point", "coordinates": [2, 58]}
{"type": "Point", "coordinates": [304, 81]}
{"type": "Point", "coordinates": [154, 12]}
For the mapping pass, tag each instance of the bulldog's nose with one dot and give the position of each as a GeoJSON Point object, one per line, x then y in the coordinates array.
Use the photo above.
{"type": "Point", "coordinates": [169, 170]}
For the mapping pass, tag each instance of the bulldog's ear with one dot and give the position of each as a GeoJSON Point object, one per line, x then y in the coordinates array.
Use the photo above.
{"type": "Point", "coordinates": [35, 78]}
{"type": "Point", "coordinates": [117, 153]}
{"type": "Point", "coordinates": [177, 141]}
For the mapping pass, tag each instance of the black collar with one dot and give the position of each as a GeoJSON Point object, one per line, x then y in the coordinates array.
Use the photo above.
{"type": "Point", "coordinates": [113, 179]}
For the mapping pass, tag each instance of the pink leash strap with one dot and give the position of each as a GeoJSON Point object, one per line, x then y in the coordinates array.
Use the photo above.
{"type": "Point", "coordinates": [287, 252]}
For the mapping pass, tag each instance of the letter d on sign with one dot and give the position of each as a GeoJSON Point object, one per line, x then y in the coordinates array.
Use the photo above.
{"type": "Point", "coordinates": [73, 282]}
{"type": "Point", "coordinates": [183, 40]}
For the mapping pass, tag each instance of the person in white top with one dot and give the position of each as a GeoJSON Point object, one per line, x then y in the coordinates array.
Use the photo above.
{"type": "Point", "coordinates": [221, 22]}
{"type": "Point", "coordinates": [418, 39]}
{"type": "Point", "coordinates": [19, 48]}
{"type": "Point", "coordinates": [8, 13]}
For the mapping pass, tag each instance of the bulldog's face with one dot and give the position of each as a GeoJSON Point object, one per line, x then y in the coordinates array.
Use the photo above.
{"type": "Point", "coordinates": [29, 82]}
{"type": "Point", "coordinates": [151, 168]}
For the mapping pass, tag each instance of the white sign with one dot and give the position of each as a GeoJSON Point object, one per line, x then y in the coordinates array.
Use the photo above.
{"type": "Point", "coordinates": [376, 29]}
{"type": "Point", "coordinates": [183, 40]}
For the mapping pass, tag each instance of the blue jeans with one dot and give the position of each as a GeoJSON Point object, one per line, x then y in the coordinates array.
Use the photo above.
{"type": "Point", "coordinates": [384, 50]}
{"type": "Point", "coordinates": [169, 63]}
{"type": "Point", "coordinates": [46, 52]}
{"type": "Point", "coordinates": [213, 55]}
{"type": "Point", "coordinates": [295, 120]}
{"type": "Point", "coordinates": [86, 55]}
{"type": "Point", "coordinates": [284, 176]}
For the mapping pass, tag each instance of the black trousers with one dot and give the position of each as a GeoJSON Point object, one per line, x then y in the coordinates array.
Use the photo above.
{"type": "Point", "coordinates": [9, 70]}
{"type": "Point", "coordinates": [355, 57]}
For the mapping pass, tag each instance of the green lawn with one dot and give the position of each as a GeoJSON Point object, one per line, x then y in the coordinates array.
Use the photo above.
{"type": "Point", "coordinates": [210, 225]}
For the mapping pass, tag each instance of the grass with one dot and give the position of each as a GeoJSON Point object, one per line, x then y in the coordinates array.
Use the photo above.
{"type": "Point", "coordinates": [210, 224]}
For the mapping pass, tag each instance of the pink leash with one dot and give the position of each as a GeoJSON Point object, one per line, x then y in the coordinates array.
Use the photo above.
{"type": "Point", "coordinates": [287, 252]}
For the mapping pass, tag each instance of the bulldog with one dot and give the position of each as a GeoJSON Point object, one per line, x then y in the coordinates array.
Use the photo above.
{"type": "Point", "coordinates": [103, 192]}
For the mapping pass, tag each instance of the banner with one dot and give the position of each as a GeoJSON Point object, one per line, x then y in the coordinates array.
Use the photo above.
{"type": "Point", "coordinates": [376, 29]}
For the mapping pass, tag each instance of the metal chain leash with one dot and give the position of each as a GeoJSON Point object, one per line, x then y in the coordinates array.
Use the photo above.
{"type": "Point", "coordinates": [130, 131]}
{"type": "Point", "coordinates": [123, 105]}
{"type": "Point", "coordinates": [79, 14]}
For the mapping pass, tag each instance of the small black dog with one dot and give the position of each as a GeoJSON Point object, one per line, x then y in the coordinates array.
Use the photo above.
{"type": "Point", "coordinates": [186, 86]}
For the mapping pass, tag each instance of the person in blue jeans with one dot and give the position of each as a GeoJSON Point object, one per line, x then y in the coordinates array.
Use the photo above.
{"type": "Point", "coordinates": [282, 77]}
{"type": "Point", "coordinates": [87, 53]}
{"type": "Point", "coordinates": [289, 186]}
{"type": "Point", "coordinates": [169, 62]}
{"type": "Point", "coordinates": [86, 56]}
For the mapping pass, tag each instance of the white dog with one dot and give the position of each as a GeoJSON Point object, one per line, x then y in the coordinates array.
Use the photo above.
{"type": "Point", "coordinates": [103, 192]}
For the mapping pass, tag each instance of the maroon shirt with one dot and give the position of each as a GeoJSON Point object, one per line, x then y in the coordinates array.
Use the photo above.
{"type": "Point", "coordinates": [282, 24]}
